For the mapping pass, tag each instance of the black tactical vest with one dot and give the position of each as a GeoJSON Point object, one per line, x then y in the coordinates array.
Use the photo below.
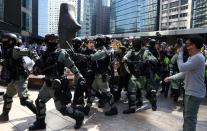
{"type": "Point", "coordinates": [101, 66]}
{"type": "Point", "coordinates": [137, 67]}
{"type": "Point", "coordinates": [8, 68]}
{"type": "Point", "coordinates": [52, 67]}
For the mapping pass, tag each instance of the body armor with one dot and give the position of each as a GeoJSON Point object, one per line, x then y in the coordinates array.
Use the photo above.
{"type": "Point", "coordinates": [51, 66]}
{"type": "Point", "coordinates": [102, 65]}
{"type": "Point", "coordinates": [137, 66]}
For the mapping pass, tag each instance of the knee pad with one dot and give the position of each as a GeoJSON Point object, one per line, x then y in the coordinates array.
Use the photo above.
{"type": "Point", "coordinates": [25, 101]}
{"type": "Point", "coordinates": [7, 99]}
{"type": "Point", "coordinates": [132, 96]}
{"type": "Point", "coordinates": [56, 83]}
{"type": "Point", "coordinates": [39, 103]}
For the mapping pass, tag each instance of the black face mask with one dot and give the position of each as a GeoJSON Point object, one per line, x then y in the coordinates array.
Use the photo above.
{"type": "Point", "coordinates": [7, 45]}
{"type": "Point", "coordinates": [137, 47]}
{"type": "Point", "coordinates": [51, 46]}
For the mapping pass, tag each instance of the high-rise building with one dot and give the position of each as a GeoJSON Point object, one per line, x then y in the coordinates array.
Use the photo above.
{"type": "Point", "coordinates": [86, 17]}
{"type": "Point", "coordinates": [134, 16]}
{"type": "Point", "coordinates": [175, 14]}
{"type": "Point", "coordinates": [94, 17]}
{"type": "Point", "coordinates": [26, 20]}
{"type": "Point", "coordinates": [34, 18]}
{"type": "Point", "coordinates": [199, 18]}
{"type": "Point", "coordinates": [10, 16]}
{"type": "Point", "coordinates": [102, 14]}
{"type": "Point", "coordinates": [48, 15]}
{"type": "Point", "coordinates": [1, 9]}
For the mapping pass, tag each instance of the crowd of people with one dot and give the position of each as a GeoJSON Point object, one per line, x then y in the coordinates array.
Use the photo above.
{"type": "Point", "coordinates": [103, 67]}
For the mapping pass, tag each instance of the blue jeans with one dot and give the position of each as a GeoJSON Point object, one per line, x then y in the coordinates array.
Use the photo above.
{"type": "Point", "coordinates": [191, 107]}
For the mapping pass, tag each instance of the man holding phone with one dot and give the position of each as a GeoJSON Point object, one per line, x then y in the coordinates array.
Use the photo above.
{"type": "Point", "coordinates": [193, 73]}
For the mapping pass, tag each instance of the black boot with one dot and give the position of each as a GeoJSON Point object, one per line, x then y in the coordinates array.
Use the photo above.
{"type": "Point", "coordinates": [4, 117]}
{"type": "Point", "coordinates": [75, 114]}
{"type": "Point", "coordinates": [101, 103]}
{"type": "Point", "coordinates": [139, 104]}
{"type": "Point", "coordinates": [128, 111]}
{"type": "Point", "coordinates": [6, 108]}
{"type": "Point", "coordinates": [79, 117]}
{"type": "Point", "coordinates": [153, 100]}
{"type": "Point", "coordinates": [154, 106]}
{"type": "Point", "coordinates": [38, 124]}
{"type": "Point", "coordinates": [86, 110]}
{"type": "Point", "coordinates": [111, 112]}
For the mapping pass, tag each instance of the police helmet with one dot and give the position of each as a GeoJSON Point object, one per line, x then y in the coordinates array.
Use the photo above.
{"type": "Point", "coordinates": [152, 42]}
{"type": "Point", "coordinates": [51, 37]}
{"type": "Point", "coordinates": [100, 41]}
{"type": "Point", "coordinates": [9, 36]}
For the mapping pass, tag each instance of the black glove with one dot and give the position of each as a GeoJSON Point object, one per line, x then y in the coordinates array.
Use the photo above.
{"type": "Point", "coordinates": [37, 68]}
{"type": "Point", "coordinates": [104, 77]}
{"type": "Point", "coordinates": [81, 81]}
{"type": "Point", "coordinates": [70, 52]}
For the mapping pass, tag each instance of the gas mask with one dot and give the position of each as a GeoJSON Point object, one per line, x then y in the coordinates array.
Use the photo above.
{"type": "Point", "coordinates": [51, 46]}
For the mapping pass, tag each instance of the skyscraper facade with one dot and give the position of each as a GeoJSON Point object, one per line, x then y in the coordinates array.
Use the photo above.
{"type": "Point", "coordinates": [94, 16]}
{"type": "Point", "coordinates": [199, 18]}
{"type": "Point", "coordinates": [134, 16]}
{"type": "Point", "coordinates": [35, 18]}
{"type": "Point", "coordinates": [26, 14]}
{"type": "Point", "coordinates": [10, 16]}
{"type": "Point", "coordinates": [102, 14]}
{"type": "Point", "coordinates": [1, 9]}
{"type": "Point", "coordinates": [175, 14]}
{"type": "Point", "coordinates": [86, 17]}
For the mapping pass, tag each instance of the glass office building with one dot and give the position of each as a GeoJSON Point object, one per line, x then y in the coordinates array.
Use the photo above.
{"type": "Point", "coordinates": [134, 16]}
{"type": "Point", "coordinates": [86, 17]}
{"type": "Point", "coordinates": [199, 18]}
{"type": "Point", "coordinates": [26, 22]}
{"type": "Point", "coordinates": [1, 9]}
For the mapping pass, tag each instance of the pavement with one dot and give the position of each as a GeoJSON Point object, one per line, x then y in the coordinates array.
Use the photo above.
{"type": "Point", "coordinates": [168, 117]}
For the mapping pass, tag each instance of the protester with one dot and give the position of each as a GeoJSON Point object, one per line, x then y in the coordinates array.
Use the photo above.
{"type": "Point", "coordinates": [193, 72]}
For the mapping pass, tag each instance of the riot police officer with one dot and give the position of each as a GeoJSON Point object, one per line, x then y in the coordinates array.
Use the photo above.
{"type": "Point", "coordinates": [137, 60]}
{"type": "Point", "coordinates": [52, 64]}
{"type": "Point", "coordinates": [77, 42]}
{"type": "Point", "coordinates": [15, 73]}
{"type": "Point", "coordinates": [100, 83]}
{"type": "Point", "coordinates": [85, 68]}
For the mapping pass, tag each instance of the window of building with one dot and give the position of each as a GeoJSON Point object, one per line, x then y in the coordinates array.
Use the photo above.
{"type": "Point", "coordinates": [183, 2]}
{"type": "Point", "coordinates": [164, 17]}
{"type": "Point", "coordinates": [182, 23]}
{"type": "Point", "coordinates": [183, 14]}
{"type": "Point", "coordinates": [173, 10]}
{"type": "Point", "coordinates": [164, 11]}
{"type": "Point", "coordinates": [27, 4]}
{"type": "Point", "coordinates": [174, 4]}
{"type": "Point", "coordinates": [173, 16]}
{"type": "Point", "coordinates": [26, 22]}
{"type": "Point", "coordinates": [165, 6]}
{"type": "Point", "coordinates": [164, 24]}
{"type": "Point", "coordinates": [1, 9]}
{"type": "Point", "coordinates": [164, 28]}
{"type": "Point", "coordinates": [184, 7]}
